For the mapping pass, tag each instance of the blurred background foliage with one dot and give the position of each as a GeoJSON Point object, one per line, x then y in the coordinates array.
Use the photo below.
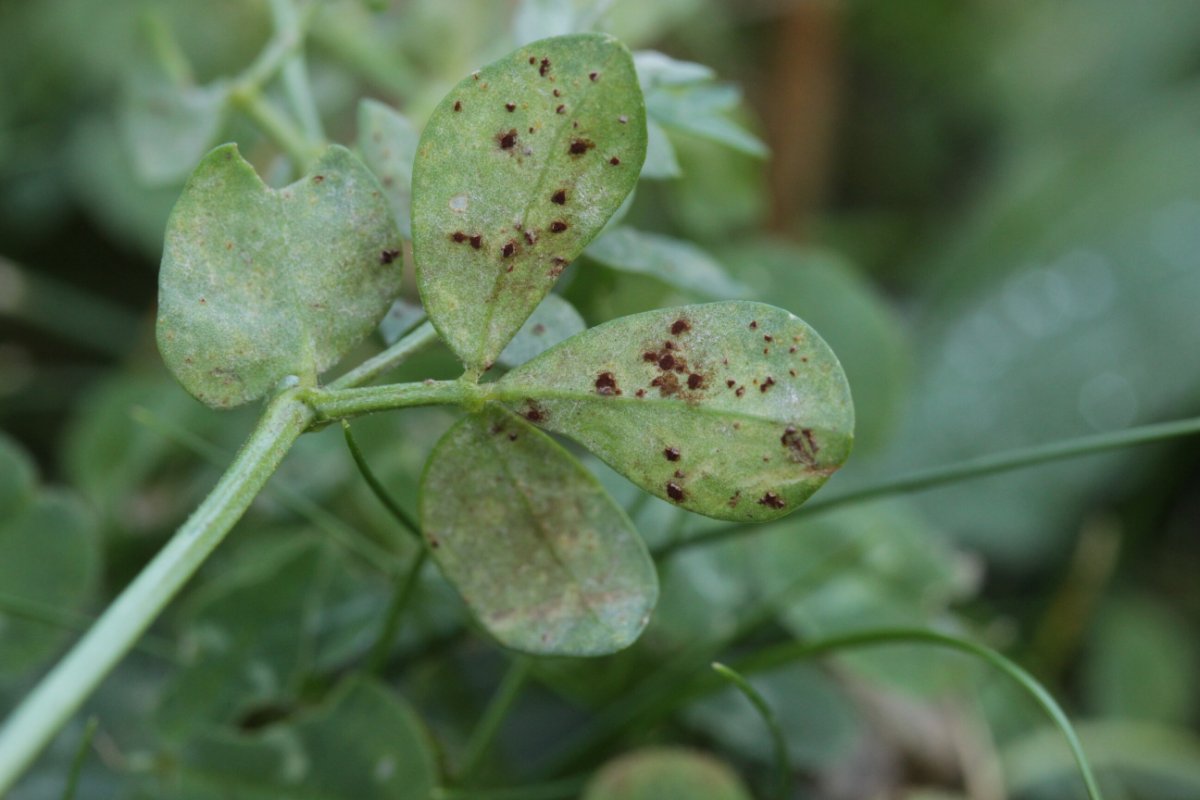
{"type": "Point", "coordinates": [990, 210]}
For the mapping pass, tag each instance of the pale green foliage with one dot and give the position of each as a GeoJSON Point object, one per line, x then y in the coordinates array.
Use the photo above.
{"type": "Point", "coordinates": [666, 774]}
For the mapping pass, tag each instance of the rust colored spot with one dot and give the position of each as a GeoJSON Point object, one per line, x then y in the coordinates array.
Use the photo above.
{"type": "Point", "coordinates": [203, 302]}
{"type": "Point", "coordinates": [666, 361]}
{"type": "Point", "coordinates": [558, 226]}
{"type": "Point", "coordinates": [458, 236]}
{"type": "Point", "coordinates": [735, 499]}
{"type": "Point", "coordinates": [580, 146]}
{"type": "Point", "coordinates": [530, 238]}
{"type": "Point", "coordinates": [771, 499]}
{"type": "Point", "coordinates": [606, 384]}
{"type": "Point", "coordinates": [792, 349]}
{"type": "Point", "coordinates": [804, 359]}
{"type": "Point", "coordinates": [649, 355]}
{"type": "Point", "coordinates": [675, 492]}
{"type": "Point", "coordinates": [560, 110]}
{"type": "Point", "coordinates": [801, 444]}
{"type": "Point", "coordinates": [680, 326]}
{"type": "Point", "coordinates": [509, 248]}
{"type": "Point", "coordinates": [532, 60]}
{"type": "Point", "coordinates": [477, 241]}
{"type": "Point", "coordinates": [753, 324]}
{"type": "Point", "coordinates": [616, 162]}
{"type": "Point", "coordinates": [318, 178]}
{"type": "Point", "coordinates": [533, 412]}
{"type": "Point", "coordinates": [388, 256]}
{"type": "Point", "coordinates": [507, 140]}
{"type": "Point", "coordinates": [557, 93]}
{"type": "Point", "coordinates": [559, 264]}
{"type": "Point", "coordinates": [544, 68]}
{"type": "Point", "coordinates": [511, 107]}
{"type": "Point", "coordinates": [640, 393]}
{"type": "Point", "coordinates": [792, 372]}
{"type": "Point", "coordinates": [695, 381]}
{"type": "Point", "coordinates": [671, 454]}
{"type": "Point", "coordinates": [768, 338]}
{"type": "Point", "coordinates": [458, 103]}
{"type": "Point", "coordinates": [767, 384]}
{"type": "Point", "coordinates": [741, 390]}
{"type": "Point", "coordinates": [667, 384]}
{"type": "Point", "coordinates": [766, 351]}
{"type": "Point", "coordinates": [559, 197]}
{"type": "Point", "coordinates": [668, 345]}
{"type": "Point", "coordinates": [730, 383]}
{"type": "Point", "coordinates": [593, 75]}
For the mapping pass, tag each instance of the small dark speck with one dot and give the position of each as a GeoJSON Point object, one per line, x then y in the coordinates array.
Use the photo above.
{"type": "Point", "coordinates": [649, 355]}
{"type": "Point", "coordinates": [388, 256]}
{"type": "Point", "coordinates": [511, 107]}
{"type": "Point", "coordinates": [666, 361]}
{"type": "Point", "coordinates": [695, 381]}
{"type": "Point", "coordinates": [768, 337]}
{"type": "Point", "coordinates": [792, 372]}
{"type": "Point", "coordinates": [640, 393]}
{"type": "Point", "coordinates": [792, 349]}
{"type": "Point", "coordinates": [477, 241]}
{"type": "Point", "coordinates": [804, 359]}
{"type": "Point", "coordinates": [559, 197]}
{"type": "Point", "coordinates": [508, 249]}
{"type": "Point", "coordinates": [679, 473]}
{"type": "Point", "coordinates": [766, 351]}
{"type": "Point", "coordinates": [532, 60]}
{"type": "Point", "coordinates": [771, 499]}
{"type": "Point", "coordinates": [680, 326]}
{"type": "Point", "coordinates": [531, 130]}
{"type": "Point", "coordinates": [557, 93]}
{"type": "Point", "coordinates": [558, 226]}
{"type": "Point", "coordinates": [203, 302]}
{"type": "Point", "coordinates": [741, 390]}
{"type": "Point", "coordinates": [753, 324]}
{"type": "Point", "coordinates": [530, 238]}
{"type": "Point", "coordinates": [544, 68]}
{"type": "Point", "coordinates": [616, 162]}
{"type": "Point", "coordinates": [458, 105]}
{"type": "Point", "coordinates": [560, 110]}
{"type": "Point", "coordinates": [539, 329]}
{"type": "Point", "coordinates": [593, 75]}
{"type": "Point", "coordinates": [606, 384]}
{"type": "Point", "coordinates": [580, 146]}
{"type": "Point", "coordinates": [675, 492]}
{"type": "Point", "coordinates": [671, 454]}
{"type": "Point", "coordinates": [512, 437]}
{"type": "Point", "coordinates": [507, 140]}
{"type": "Point", "coordinates": [458, 236]}
{"type": "Point", "coordinates": [767, 384]}
{"type": "Point", "coordinates": [731, 383]}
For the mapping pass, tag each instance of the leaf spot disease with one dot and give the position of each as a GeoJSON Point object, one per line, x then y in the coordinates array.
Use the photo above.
{"type": "Point", "coordinates": [767, 384]}
{"type": "Point", "coordinates": [771, 500]}
{"type": "Point", "coordinates": [509, 249]}
{"type": "Point", "coordinates": [675, 492]}
{"type": "Point", "coordinates": [511, 107]}
{"type": "Point", "coordinates": [458, 103]}
{"type": "Point", "coordinates": [562, 109]}
{"type": "Point", "coordinates": [318, 178]}
{"type": "Point", "coordinates": [477, 241]}
{"type": "Point", "coordinates": [558, 226]}
{"type": "Point", "coordinates": [671, 453]}
{"type": "Point", "coordinates": [695, 381]}
{"type": "Point", "coordinates": [580, 146]}
{"type": "Point", "coordinates": [592, 76]}
{"type": "Point", "coordinates": [559, 197]}
{"type": "Point", "coordinates": [606, 384]}
{"type": "Point", "coordinates": [544, 67]}
{"type": "Point", "coordinates": [680, 326]}
{"type": "Point", "coordinates": [616, 162]}
{"type": "Point", "coordinates": [801, 444]}
{"type": "Point", "coordinates": [507, 139]}
{"type": "Point", "coordinates": [533, 412]}
{"type": "Point", "coordinates": [388, 256]}
{"type": "Point", "coordinates": [753, 324]}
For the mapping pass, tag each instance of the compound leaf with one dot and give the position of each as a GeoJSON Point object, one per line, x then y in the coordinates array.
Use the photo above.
{"type": "Point", "coordinates": [736, 410]}
{"type": "Point", "coordinates": [518, 169]}
{"type": "Point", "coordinates": [258, 284]}
{"type": "Point", "coordinates": [545, 558]}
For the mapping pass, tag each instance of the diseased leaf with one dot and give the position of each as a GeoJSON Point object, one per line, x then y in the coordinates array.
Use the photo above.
{"type": "Point", "coordinates": [258, 284]}
{"type": "Point", "coordinates": [552, 321]}
{"type": "Point", "coordinates": [518, 169]}
{"type": "Point", "coordinates": [673, 261]}
{"type": "Point", "coordinates": [49, 562]}
{"type": "Point", "coordinates": [736, 410]}
{"type": "Point", "coordinates": [658, 773]}
{"type": "Point", "coordinates": [546, 560]}
{"type": "Point", "coordinates": [388, 141]}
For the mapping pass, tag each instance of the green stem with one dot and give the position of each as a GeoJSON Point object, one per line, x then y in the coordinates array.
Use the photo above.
{"type": "Point", "coordinates": [489, 724]}
{"type": "Point", "coordinates": [336, 404]}
{"type": "Point", "coordinates": [377, 488]}
{"type": "Point", "coordinates": [250, 101]}
{"type": "Point", "coordinates": [782, 763]}
{"type": "Point", "coordinates": [389, 359]}
{"type": "Point", "coordinates": [966, 470]}
{"type": "Point", "coordinates": [85, 743]}
{"type": "Point", "coordinates": [795, 651]}
{"type": "Point", "coordinates": [63, 690]}
{"type": "Point", "coordinates": [391, 623]}
{"type": "Point", "coordinates": [167, 52]}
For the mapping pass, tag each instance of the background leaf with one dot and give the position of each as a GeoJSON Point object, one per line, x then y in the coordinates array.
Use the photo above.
{"type": "Point", "coordinates": [388, 141]}
{"type": "Point", "coordinates": [552, 321]}
{"type": "Point", "coordinates": [518, 169]}
{"type": "Point", "coordinates": [673, 261]}
{"type": "Point", "coordinates": [542, 555]}
{"type": "Point", "coordinates": [735, 410]}
{"type": "Point", "coordinates": [258, 284]}
{"type": "Point", "coordinates": [660, 773]}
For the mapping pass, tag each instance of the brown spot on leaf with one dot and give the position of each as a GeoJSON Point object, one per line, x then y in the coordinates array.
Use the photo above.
{"type": "Point", "coordinates": [509, 249]}
{"type": "Point", "coordinates": [735, 499]}
{"type": "Point", "coordinates": [606, 384]}
{"type": "Point", "coordinates": [616, 162]}
{"type": "Point", "coordinates": [510, 107]}
{"type": "Point", "coordinates": [801, 444]}
{"type": "Point", "coordinates": [640, 393]}
{"type": "Point", "coordinates": [666, 361]}
{"type": "Point", "coordinates": [458, 103]}
{"type": "Point", "coordinates": [768, 338]}
{"type": "Point", "coordinates": [671, 453]}
{"type": "Point", "coordinates": [792, 349]}
{"type": "Point", "coordinates": [388, 256]}
{"type": "Point", "coordinates": [771, 499]}
{"type": "Point", "coordinates": [753, 324]}
{"type": "Point", "coordinates": [741, 390]}
{"type": "Point", "coordinates": [507, 139]}
{"type": "Point", "coordinates": [559, 197]}
{"type": "Point", "coordinates": [557, 93]}
{"type": "Point", "coordinates": [558, 226]}
{"type": "Point", "coordinates": [544, 68]}
{"type": "Point", "coordinates": [477, 241]}
{"type": "Point", "coordinates": [675, 492]}
{"type": "Point", "coordinates": [318, 178]}
{"type": "Point", "coordinates": [695, 381]}
{"type": "Point", "coordinates": [680, 326]}
{"type": "Point", "coordinates": [458, 237]}
{"type": "Point", "coordinates": [580, 146]}
{"type": "Point", "coordinates": [649, 355]}
{"type": "Point", "coordinates": [532, 60]}
{"type": "Point", "coordinates": [767, 384]}
{"type": "Point", "coordinates": [731, 383]}
{"type": "Point", "coordinates": [559, 264]}
{"type": "Point", "coordinates": [679, 474]}
{"type": "Point", "coordinates": [530, 238]}
{"type": "Point", "coordinates": [534, 412]}
{"type": "Point", "coordinates": [667, 384]}
{"type": "Point", "coordinates": [560, 110]}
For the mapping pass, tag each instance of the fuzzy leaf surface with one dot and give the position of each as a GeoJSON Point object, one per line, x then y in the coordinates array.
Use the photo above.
{"type": "Point", "coordinates": [257, 284]}
{"type": "Point", "coordinates": [518, 169]}
{"type": "Point", "coordinates": [544, 557]}
{"type": "Point", "coordinates": [736, 410]}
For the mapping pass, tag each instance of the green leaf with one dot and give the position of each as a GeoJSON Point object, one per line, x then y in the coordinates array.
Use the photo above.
{"type": "Point", "coordinates": [504, 200]}
{"type": "Point", "coordinates": [258, 284]}
{"type": "Point", "coordinates": [661, 161]}
{"type": "Point", "coordinates": [660, 773]}
{"type": "Point", "coordinates": [546, 560]}
{"type": "Point", "coordinates": [736, 410]}
{"type": "Point", "coordinates": [169, 128]}
{"type": "Point", "coordinates": [388, 141]}
{"type": "Point", "coordinates": [552, 321]}
{"type": "Point", "coordinates": [674, 261]}
{"type": "Point", "coordinates": [365, 742]}
{"type": "Point", "coordinates": [49, 559]}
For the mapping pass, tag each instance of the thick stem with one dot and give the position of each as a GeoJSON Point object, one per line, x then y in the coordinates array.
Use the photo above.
{"type": "Point", "coordinates": [65, 688]}
{"type": "Point", "coordinates": [335, 404]}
